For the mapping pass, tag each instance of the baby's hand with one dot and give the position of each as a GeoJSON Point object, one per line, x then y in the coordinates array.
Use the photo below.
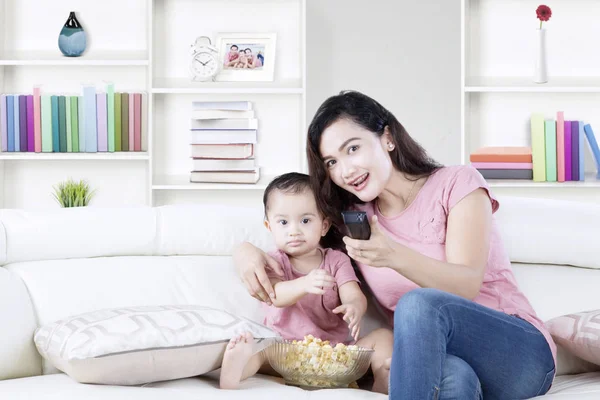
{"type": "Point", "coordinates": [317, 281]}
{"type": "Point", "coordinates": [352, 316]}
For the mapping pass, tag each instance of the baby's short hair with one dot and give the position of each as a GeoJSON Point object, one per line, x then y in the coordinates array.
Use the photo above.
{"type": "Point", "coordinates": [292, 182]}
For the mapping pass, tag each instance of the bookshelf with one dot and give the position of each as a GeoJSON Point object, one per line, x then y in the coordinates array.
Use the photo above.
{"type": "Point", "coordinates": [497, 90]}
{"type": "Point", "coordinates": [143, 45]}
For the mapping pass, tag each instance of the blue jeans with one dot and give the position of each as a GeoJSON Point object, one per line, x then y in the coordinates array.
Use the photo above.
{"type": "Point", "coordinates": [448, 347]}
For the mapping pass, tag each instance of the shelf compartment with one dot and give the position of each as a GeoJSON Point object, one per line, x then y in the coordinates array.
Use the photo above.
{"type": "Point", "coordinates": [526, 84]}
{"type": "Point", "coordinates": [55, 58]}
{"type": "Point", "coordinates": [187, 86]}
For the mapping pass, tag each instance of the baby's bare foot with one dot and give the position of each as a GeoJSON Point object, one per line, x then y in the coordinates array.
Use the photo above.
{"type": "Point", "coordinates": [381, 380]}
{"type": "Point", "coordinates": [237, 354]}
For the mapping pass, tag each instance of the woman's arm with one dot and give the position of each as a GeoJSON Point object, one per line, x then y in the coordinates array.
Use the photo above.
{"type": "Point", "coordinates": [467, 249]}
{"type": "Point", "coordinates": [250, 263]}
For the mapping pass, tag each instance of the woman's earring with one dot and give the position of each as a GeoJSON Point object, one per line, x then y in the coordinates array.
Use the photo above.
{"type": "Point", "coordinates": [390, 146]}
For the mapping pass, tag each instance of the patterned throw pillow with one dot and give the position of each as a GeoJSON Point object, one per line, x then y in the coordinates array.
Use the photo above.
{"type": "Point", "coordinates": [136, 345]}
{"type": "Point", "coordinates": [579, 334]}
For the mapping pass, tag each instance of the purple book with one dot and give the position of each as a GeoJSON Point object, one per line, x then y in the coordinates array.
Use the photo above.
{"type": "Point", "coordinates": [102, 122]}
{"type": "Point", "coordinates": [568, 150]}
{"type": "Point", "coordinates": [575, 150]}
{"type": "Point", "coordinates": [30, 126]}
{"type": "Point", "coordinates": [3, 122]}
{"type": "Point", "coordinates": [23, 122]}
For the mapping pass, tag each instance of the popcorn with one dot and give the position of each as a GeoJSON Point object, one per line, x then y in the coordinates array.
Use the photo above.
{"type": "Point", "coordinates": [315, 357]}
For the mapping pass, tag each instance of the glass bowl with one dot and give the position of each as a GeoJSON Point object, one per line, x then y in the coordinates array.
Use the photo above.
{"type": "Point", "coordinates": [316, 365]}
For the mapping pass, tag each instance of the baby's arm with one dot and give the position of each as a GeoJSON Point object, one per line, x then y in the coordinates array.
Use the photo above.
{"type": "Point", "coordinates": [289, 292]}
{"type": "Point", "coordinates": [354, 306]}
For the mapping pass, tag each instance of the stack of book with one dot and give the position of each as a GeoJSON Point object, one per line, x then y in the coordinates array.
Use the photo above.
{"type": "Point", "coordinates": [94, 121]}
{"type": "Point", "coordinates": [503, 162]}
{"type": "Point", "coordinates": [223, 136]}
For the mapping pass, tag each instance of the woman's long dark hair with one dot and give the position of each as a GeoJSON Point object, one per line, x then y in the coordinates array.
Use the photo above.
{"type": "Point", "coordinates": [408, 156]}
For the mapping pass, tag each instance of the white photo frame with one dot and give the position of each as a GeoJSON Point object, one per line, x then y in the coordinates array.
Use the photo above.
{"type": "Point", "coordinates": [255, 60]}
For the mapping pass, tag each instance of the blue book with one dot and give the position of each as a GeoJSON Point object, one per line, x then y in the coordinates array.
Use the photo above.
{"type": "Point", "coordinates": [16, 119]}
{"type": "Point", "coordinates": [581, 152]}
{"type": "Point", "coordinates": [589, 133]}
{"type": "Point", "coordinates": [91, 130]}
{"type": "Point", "coordinates": [10, 123]}
{"type": "Point", "coordinates": [55, 131]}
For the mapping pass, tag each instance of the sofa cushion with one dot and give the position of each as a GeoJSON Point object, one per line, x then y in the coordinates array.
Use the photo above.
{"type": "Point", "coordinates": [579, 333]}
{"type": "Point", "coordinates": [76, 232]}
{"type": "Point", "coordinates": [212, 230]}
{"type": "Point", "coordinates": [18, 356]}
{"type": "Point", "coordinates": [113, 282]}
{"type": "Point", "coordinates": [548, 231]}
{"type": "Point", "coordinates": [135, 345]}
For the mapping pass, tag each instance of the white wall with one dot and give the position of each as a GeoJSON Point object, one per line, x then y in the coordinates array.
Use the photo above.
{"type": "Point", "coordinates": [403, 53]}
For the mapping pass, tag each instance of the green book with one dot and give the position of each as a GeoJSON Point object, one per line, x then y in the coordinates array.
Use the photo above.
{"type": "Point", "coordinates": [110, 112]}
{"type": "Point", "coordinates": [62, 124]}
{"type": "Point", "coordinates": [75, 123]}
{"type": "Point", "coordinates": [68, 121]}
{"type": "Point", "coordinates": [550, 150]}
{"type": "Point", "coordinates": [538, 147]}
{"type": "Point", "coordinates": [117, 121]}
{"type": "Point", "coordinates": [46, 116]}
{"type": "Point", "coordinates": [125, 121]}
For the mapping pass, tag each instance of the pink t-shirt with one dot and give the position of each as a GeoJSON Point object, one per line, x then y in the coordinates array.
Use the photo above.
{"type": "Point", "coordinates": [312, 313]}
{"type": "Point", "coordinates": [422, 227]}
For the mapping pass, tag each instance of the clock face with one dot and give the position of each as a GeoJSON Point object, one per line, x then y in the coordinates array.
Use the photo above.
{"type": "Point", "coordinates": [204, 65]}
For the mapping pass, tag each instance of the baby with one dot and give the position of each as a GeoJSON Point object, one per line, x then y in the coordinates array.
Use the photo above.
{"type": "Point", "coordinates": [318, 294]}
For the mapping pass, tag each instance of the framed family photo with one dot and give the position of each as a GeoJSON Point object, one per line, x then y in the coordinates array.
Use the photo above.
{"type": "Point", "coordinates": [246, 57]}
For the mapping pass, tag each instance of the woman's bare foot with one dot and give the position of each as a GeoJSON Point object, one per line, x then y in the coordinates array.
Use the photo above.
{"type": "Point", "coordinates": [381, 382]}
{"type": "Point", "coordinates": [237, 354]}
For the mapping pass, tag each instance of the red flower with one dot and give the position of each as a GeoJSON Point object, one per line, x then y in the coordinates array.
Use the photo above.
{"type": "Point", "coordinates": [543, 13]}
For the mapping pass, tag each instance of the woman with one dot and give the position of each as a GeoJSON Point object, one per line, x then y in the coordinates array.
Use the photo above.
{"type": "Point", "coordinates": [435, 260]}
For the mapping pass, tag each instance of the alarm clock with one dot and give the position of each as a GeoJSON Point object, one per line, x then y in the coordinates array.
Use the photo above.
{"type": "Point", "coordinates": [204, 65]}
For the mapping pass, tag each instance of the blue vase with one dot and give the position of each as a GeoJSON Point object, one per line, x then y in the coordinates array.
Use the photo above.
{"type": "Point", "coordinates": [71, 40]}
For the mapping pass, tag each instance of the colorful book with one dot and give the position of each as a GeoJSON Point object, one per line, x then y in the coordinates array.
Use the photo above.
{"type": "Point", "coordinates": [560, 146]}
{"type": "Point", "coordinates": [249, 176]}
{"type": "Point", "coordinates": [91, 132]}
{"type": "Point", "coordinates": [568, 163]}
{"type": "Point", "coordinates": [507, 173]}
{"type": "Point", "coordinates": [501, 165]}
{"type": "Point", "coordinates": [131, 121]}
{"type": "Point", "coordinates": [222, 105]}
{"type": "Point", "coordinates": [144, 122]}
{"type": "Point", "coordinates": [124, 121]}
{"type": "Point", "coordinates": [117, 128]}
{"type": "Point", "coordinates": [10, 122]}
{"type": "Point", "coordinates": [62, 124]}
{"type": "Point", "coordinates": [137, 127]}
{"type": "Point", "coordinates": [226, 124]}
{"type": "Point", "coordinates": [37, 119]}
{"type": "Point", "coordinates": [581, 152]}
{"type": "Point", "coordinates": [110, 115]}
{"type": "Point", "coordinates": [55, 129]}
{"type": "Point", "coordinates": [102, 122]}
{"type": "Point", "coordinates": [17, 123]}
{"type": "Point", "coordinates": [222, 151]}
{"type": "Point", "coordinates": [30, 124]}
{"type": "Point", "coordinates": [3, 123]}
{"type": "Point", "coordinates": [82, 124]}
{"type": "Point", "coordinates": [68, 123]}
{"type": "Point", "coordinates": [550, 142]}
{"type": "Point", "coordinates": [575, 150]}
{"type": "Point", "coordinates": [46, 122]}
{"type": "Point", "coordinates": [23, 122]}
{"type": "Point", "coordinates": [74, 102]}
{"type": "Point", "coordinates": [538, 147]}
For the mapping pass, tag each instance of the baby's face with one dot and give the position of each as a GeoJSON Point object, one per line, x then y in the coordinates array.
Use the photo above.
{"type": "Point", "coordinates": [295, 222]}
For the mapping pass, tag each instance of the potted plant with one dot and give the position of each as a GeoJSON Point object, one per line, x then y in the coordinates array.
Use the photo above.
{"type": "Point", "coordinates": [73, 194]}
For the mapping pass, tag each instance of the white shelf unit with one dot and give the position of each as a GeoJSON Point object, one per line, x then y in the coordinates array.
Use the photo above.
{"type": "Point", "coordinates": [498, 94]}
{"type": "Point", "coordinates": [143, 45]}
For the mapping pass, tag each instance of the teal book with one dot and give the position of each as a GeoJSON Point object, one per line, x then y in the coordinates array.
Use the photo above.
{"type": "Point", "coordinates": [68, 123]}
{"type": "Point", "coordinates": [62, 124]}
{"type": "Point", "coordinates": [55, 135]}
{"type": "Point", "coordinates": [46, 115]}
{"type": "Point", "coordinates": [75, 123]}
{"type": "Point", "coordinates": [550, 141]}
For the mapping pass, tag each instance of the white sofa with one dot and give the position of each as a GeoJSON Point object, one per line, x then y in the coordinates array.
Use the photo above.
{"type": "Point", "coordinates": [68, 261]}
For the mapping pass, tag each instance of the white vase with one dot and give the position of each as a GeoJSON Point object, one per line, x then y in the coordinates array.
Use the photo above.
{"type": "Point", "coordinates": [541, 67]}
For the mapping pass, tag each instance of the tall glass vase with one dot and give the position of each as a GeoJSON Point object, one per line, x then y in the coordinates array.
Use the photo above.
{"type": "Point", "coordinates": [541, 66]}
{"type": "Point", "coordinates": [71, 40]}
